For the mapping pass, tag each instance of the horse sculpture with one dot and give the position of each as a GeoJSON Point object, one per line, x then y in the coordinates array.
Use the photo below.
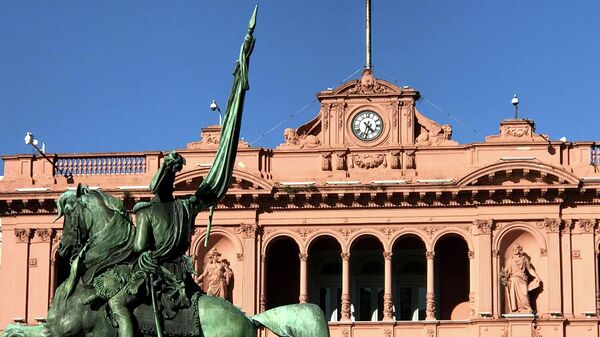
{"type": "Point", "coordinates": [96, 222]}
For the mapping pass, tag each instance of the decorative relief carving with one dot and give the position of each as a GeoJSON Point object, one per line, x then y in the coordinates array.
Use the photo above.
{"type": "Point", "coordinates": [341, 111]}
{"type": "Point", "coordinates": [23, 234]}
{"type": "Point", "coordinates": [304, 232]}
{"type": "Point", "coordinates": [240, 256]}
{"type": "Point", "coordinates": [345, 256]}
{"type": "Point", "coordinates": [429, 255]}
{"type": "Point", "coordinates": [472, 304]}
{"type": "Point", "coordinates": [407, 107]}
{"type": "Point", "coordinates": [341, 161]}
{"type": "Point", "coordinates": [249, 230]}
{"type": "Point", "coordinates": [471, 254]}
{"type": "Point", "coordinates": [44, 234]}
{"type": "Point", "coordinates": [387, 255]}
{"type": "Point", "coordinates": [368, 85]}
{"type": "Point", "coordinates": [303, 257]}
{"type": "Point", "coordinates": [517, 131]}
{"type": "Point", "coordinates": [346, 231]}
{"type": "Point", "coordinates": [429, 230]}
{"type": "Point", "coordinates": [553, 225]}
{"type": "Point", "coordinates": [543, 252]}
{"type": "Point", "coordinates": [268, 232]}
{"type": "Point", "coordinates": [430, 305]}
{"type": "Point", "coordinates": [368, 160]}
{"type": "Point", "coordinates": [263, 303]}
{"type": "Point", "coordinates": [430, 332]}
{"type": "Point", "coordinates": [326, 161]}
{"type": "Point", "coordinates": [576, 254]}
{"type": "Point", "coordinates": [294, 140]}
{"type": "Point", "coordinates": [484, 226]}
{"type": "Point", "coordinates": [587, 225]}
{"type": "Point", "coordinates": [326, 108]}
{"type": "Point", "coordinates": [410, 163]}
{"type": "Point", "coordinates": [567, 226]}
{"type": "Point", "coordinates": [393, 110]}
{"type": "Point", "coordinates": [432, 133]}
{"type": "Point", "coordinates": [387, 306]}
{"type": "Point", "coordinates": [387, 332]}
{"type": "Point", "coordinates": [387, 231]}
{"type": "Point", "coordinates": [396, 160]}
{"type": "Point", "coordinates": [345, 309]}
{"type": "Point", "coordinates": [494, 253]}
{"type": "Point", "coordinates": [32, 263]}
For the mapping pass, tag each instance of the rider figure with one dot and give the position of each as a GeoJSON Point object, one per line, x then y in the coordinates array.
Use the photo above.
{"type": "Point", "coordinates": [163, 235]}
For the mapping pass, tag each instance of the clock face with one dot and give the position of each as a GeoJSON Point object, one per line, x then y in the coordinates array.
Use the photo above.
{"type": "Point", "coordinates": [367, 125]}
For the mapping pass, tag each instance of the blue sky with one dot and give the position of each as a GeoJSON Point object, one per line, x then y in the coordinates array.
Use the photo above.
{"type": "Point", "coordinates": [104, 76]}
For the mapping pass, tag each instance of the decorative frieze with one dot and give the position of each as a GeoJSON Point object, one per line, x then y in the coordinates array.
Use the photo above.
{"type": "Point", "coordinates": [368, 160]}
{"type": "Point", "coordinates": [248, 230]}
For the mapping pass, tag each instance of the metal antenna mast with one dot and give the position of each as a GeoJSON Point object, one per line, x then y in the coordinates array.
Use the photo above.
{"type": "Point", "coordinates": [368, 64]}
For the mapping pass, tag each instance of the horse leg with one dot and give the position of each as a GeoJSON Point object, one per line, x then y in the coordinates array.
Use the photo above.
{"type": "Point", "coordinates": [219, 318]}
{"type": "Point", "coordinates": [19, 330]}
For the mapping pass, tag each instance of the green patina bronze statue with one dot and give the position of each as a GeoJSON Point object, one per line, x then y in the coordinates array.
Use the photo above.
{"type": "Point", "coordinates": [130, 281]}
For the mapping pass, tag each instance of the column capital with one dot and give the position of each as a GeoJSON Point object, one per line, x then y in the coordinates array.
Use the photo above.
{"type": "Point", "coordinates": [345, 256]}
{"type": "Point", "coordinates": [248, 230]}
{"type": "Point", "coordinates": [429, 255]}
{"type": "Point", "coordinates": [387, 255]}
{"type": "Point", "coordinates": [587, 225]}
{"type": "Point", "coordinates": [552, 225]}
{"type": "Point", "coordinates": [23, 234]}
{"type": "Point", "coordinates": [303, 257]}
{"type": "Point", "coordinates": [484, 226]}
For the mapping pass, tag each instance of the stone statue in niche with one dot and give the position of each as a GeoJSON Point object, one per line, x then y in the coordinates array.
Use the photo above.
{"type": "Point", "coordinates": [292, 139]}
{"type": "Point", "coordinates": [217, 275]}
{"type": "Point", "coordinates": [432, 133]}
{"type": "Point", "coordinates": [519, 278]}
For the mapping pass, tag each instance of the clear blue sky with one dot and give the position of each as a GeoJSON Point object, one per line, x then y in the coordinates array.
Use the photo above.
{"type": "Point", "coordinates": [104, 76]}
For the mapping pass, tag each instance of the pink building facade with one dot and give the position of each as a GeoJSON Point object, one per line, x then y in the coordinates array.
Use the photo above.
{"type": "Point", "coordinates": [369, 210]}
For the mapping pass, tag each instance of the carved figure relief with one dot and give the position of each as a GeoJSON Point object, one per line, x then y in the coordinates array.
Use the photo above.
{"type": "Point", "coordinates": [432, 133]}
{"type": "Point", "coordinates": [293, 140]}
{"type": "Point", "coordinates": [368, 161]}
{"type": "Point", "coordinates": [410, 160]}
{"type": "Point", "coordinates": [217, 275]}
{"type": "Point", "coordinates": [368, 84]}
{"type": "Point", "coordinates": [396, 161]}
{"type": "Point", "coordinates": [341, 161]}
{"type": "Point", "coordinates": [326, 161]}
{"type": "Point", "coordinates": [519, 278]}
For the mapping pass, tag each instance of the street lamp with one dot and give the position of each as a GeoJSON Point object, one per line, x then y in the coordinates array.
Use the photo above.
{"type": "Point", "coordinates": [515, 103]}
{"type": "Point", "coordinates": [30, 140]}
{"type": "Point", "coordinates": [213, 106]}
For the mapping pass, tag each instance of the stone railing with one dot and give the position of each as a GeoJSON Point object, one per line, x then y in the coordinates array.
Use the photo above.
{"type": "Point", "coordinates": [99, 164]}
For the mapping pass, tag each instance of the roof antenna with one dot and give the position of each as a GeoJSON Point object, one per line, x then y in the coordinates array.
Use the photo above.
{"type": "Point", "coordinates": [515, 103]}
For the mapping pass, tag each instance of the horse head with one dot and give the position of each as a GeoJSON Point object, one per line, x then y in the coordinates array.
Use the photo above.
{"type": "Point", "coordinates": [85, 212]}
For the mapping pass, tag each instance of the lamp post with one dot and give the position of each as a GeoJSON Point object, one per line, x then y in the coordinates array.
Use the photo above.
{"type": "Point", "coordinates": [30, 140]}
{"type": "Point", "coordinates": [213, 106]}
{"type": "Point", "coordinates": [515, 103]}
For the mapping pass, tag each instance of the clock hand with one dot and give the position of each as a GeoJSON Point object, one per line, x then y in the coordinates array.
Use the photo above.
{"type": "Point", "coordinates": [368, 125]}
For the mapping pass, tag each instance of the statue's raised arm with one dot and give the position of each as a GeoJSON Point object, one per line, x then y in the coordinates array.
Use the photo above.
{"type": "Point", "coordinates": [215, 184]}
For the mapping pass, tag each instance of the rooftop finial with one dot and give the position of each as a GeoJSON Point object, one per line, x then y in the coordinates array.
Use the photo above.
{"type": "Point", "coordinates": [368, 64]}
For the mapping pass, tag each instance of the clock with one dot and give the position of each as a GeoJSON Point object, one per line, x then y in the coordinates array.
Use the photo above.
{"type": "Point", "coordinates": [367, 125]}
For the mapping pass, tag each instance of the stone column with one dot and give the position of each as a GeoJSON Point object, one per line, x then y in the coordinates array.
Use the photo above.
{"type": "Point", "coordinates": [39, 274]}
{"type": "Point", "coordinates": [586, 260]}
{"type": "Point", "coordinates": [345, 287]}
{"type": "Point", "coordinates": [303, 278]}
{"type": "Point", "coordinates": [484, 238]}
{"type": "Point", "coordinates": [387, 288]}
{"type": "Point", "coordinates": [263, 292]}
{"type": "Point", "coordinates": [430, 295]}
{"type": "Point", "coordinates": [554, 266]}
{"type": "Point", "coordinates": [248, 232]}
{"type": "Point", "coordinates": [567, 269]}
